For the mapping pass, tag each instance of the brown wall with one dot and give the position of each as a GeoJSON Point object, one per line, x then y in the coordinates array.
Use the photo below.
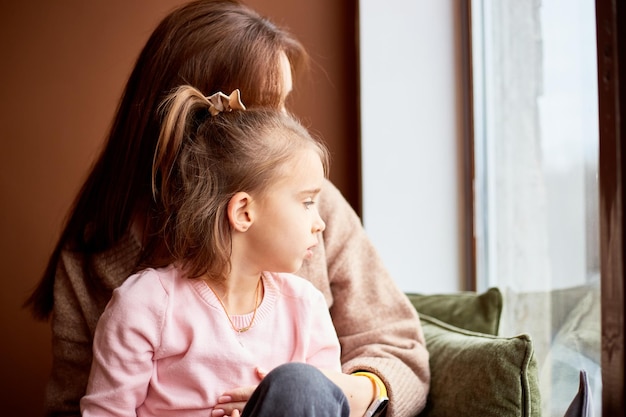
{"type": "Point", "coordinates": [63, 68]}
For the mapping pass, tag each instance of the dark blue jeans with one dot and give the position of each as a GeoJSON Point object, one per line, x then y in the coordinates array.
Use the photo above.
{"type": "Point", "coordinates": [297, 390]}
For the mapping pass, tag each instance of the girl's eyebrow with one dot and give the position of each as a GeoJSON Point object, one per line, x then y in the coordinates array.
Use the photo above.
{"type": "Point", "coordinates": [313, 191]}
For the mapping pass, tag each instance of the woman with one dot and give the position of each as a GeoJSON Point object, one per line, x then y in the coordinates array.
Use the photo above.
{"type": "Point", "coordinates": [216, 46]}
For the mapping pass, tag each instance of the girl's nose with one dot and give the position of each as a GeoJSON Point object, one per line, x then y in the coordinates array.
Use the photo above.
{"type": "Point", "coordinates": [319, 225]}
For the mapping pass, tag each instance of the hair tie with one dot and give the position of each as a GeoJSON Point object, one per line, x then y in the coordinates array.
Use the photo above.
{"type": "Point", "coordinates": [220, 102]}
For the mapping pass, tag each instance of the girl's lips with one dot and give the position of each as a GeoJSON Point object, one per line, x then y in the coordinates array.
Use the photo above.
{"type": "Point", "coordinates": [309, 252]}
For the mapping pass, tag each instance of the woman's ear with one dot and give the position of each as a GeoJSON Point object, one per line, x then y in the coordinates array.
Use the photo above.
{"type": "Point", "coordinates": [239, 214]}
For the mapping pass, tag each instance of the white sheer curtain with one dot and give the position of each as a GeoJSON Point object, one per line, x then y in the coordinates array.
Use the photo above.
{"type": "Point", "coordinates": [536, 189]}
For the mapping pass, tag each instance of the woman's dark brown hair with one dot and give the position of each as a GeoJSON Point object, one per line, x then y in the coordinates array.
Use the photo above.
{"type": "Point", "coordinates": [212, 45]}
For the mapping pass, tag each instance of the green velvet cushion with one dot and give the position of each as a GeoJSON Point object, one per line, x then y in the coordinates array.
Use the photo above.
{"type": "Point", "coordinates": [467, 310]}
{"type": "Point", "coordinates": [475, 374]}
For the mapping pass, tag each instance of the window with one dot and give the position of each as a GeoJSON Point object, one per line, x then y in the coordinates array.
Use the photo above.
{"type": "Point", "coordinates": [536, 182]}
{"type": "Point", "coordinates": [547, 223]}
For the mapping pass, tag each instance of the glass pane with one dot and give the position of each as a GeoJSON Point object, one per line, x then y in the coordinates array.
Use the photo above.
{"type": "Point", "coordinates": [536, 138]}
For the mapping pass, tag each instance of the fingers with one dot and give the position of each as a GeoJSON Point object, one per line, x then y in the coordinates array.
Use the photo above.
{"type": "Point", "coordinates": [261, 373]}
{"type": "Point", "coordinates": [232, 402]}
{"type": "Point", "coordinates": [231, 409]}
{"type": "Point", "coordinates": [240, 394]}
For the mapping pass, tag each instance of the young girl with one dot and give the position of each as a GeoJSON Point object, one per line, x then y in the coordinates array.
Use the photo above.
{"type": "Point", "coordinates": [236, 193]}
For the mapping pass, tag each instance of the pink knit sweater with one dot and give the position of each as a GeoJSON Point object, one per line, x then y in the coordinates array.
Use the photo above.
{"type": "Point", "coordinates": [377, 326]}
{"type": "Point", "coordinates": [164, 346]}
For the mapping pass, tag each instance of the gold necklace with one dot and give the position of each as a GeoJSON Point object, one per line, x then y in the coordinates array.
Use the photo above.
{"type": "Point", "coordinates": [256, 305]}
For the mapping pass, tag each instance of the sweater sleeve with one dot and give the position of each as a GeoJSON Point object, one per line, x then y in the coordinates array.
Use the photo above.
{"type": "Point", "coordinates": [126, 339]}
{"type": "Point", "coordinates": [378, 328]}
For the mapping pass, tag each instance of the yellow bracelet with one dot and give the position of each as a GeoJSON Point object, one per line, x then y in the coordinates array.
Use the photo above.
{"type": "Point", "coordinates": [382, 389]}
{"type": "Point", "coordinates": [377, 407]}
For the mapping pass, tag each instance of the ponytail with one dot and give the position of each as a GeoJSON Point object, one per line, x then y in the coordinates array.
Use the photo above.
{"type": "Point", "coordinates": [181, 109]}
{"type": "Point", "coordinates": [177, 109]}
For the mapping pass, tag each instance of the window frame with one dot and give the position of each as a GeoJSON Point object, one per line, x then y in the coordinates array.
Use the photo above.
{"type": "Point", "coordinates": [611, 52]}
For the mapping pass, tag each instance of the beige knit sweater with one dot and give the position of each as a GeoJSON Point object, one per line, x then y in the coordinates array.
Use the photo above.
{"type": "Point", "coordinates": [378, 328]}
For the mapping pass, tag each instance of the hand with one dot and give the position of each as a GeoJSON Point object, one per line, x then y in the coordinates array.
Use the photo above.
{"type": "Point", "coordinates": [232, 402]}
{"type": "Point", "coordinates": [358, 390]}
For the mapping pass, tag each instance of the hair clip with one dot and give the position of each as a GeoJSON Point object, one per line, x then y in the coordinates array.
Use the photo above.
{"type": "Point", "coordinates": [220, 102]}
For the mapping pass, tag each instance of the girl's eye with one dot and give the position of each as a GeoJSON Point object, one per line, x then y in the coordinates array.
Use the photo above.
{"type": "Point", "coordinates": [309, 203]}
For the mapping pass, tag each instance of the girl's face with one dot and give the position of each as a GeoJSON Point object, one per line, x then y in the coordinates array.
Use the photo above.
{"type": "Point", "coordinates": [286, 218]}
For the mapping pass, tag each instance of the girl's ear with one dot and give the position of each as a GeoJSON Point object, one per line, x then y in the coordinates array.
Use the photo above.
{"type": "Point", "coordinates": [239, 214]}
